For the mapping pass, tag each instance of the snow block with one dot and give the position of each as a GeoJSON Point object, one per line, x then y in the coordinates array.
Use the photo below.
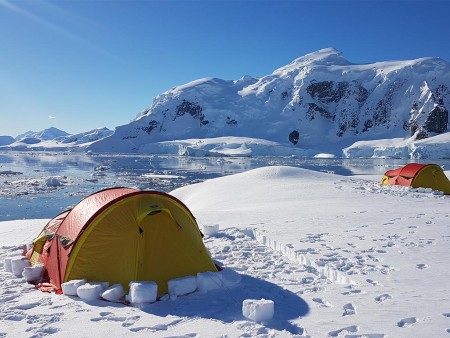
{"type": "Point", "coordinates": [28, 246]}
{"type": "Point", "coordinates": [258, 310]}
{"type": "Point", "coordinates": [89, 292]}
{"type": "Point", "coordinates": [208, 281]}
{"type": "Point", "coordinates": [7, 264]}
{"type": "Point", "coordinates": [113, 293]}
{"type": "Point", "coordinates": [182, 286]}
{"type": "Point", "coordinates": [103, 285]}
{"type": "Point", "coordinates": [18, 264]}
{"type": "Point", "coordinates": [33, 273]}
{"type": "Point", "coordinates": [70, 288]}
{"type": "Point", "coordinates": [143, 292]}
{"type": "Point", "coordinates": [230, 278]}
{"type": "Point", "coordinates": [210, 229]}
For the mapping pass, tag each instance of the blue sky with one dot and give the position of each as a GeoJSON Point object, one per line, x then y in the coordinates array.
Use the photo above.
{"type": "Point", "coordinates": [79, 65]}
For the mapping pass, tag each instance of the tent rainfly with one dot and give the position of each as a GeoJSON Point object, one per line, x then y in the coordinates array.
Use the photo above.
{"type": "Point", "coordinates": [418, 176]}
{"type": "Point", "coordinates": [121, 235]}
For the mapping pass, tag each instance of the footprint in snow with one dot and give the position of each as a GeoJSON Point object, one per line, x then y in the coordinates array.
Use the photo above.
{"type": "Point", "coordinates": [406, 322]}
{"type": "Point", "coordinates": [383, 297]}
{"type": "Point", "coordinates": [158, 327]}
{"type": "Point", "coordinates": [322, 302]}
{"type": "Point", "coordinates": [130, 321]}
{"type": "Point", "coordinates": [373, 282]}
{"type": "Point", "coordinates": [421, 266]}
{"type": "Point", "coordinates": [351, 292]}
{"type": "Point", "coordinates": [336, 333]}
{"type": "Point", "coordinates": [26, 306]}
{"type": "Point", "coordinates": [108, 316]}
{"type": "Point", "coordinates": [349, 309]}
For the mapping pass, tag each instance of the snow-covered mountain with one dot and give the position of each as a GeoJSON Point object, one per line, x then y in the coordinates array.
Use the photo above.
{"type": "Point", "coordinates": [318, 101]}
{"type": "Point", "coordinates": [48, 139]}
{"type": "Point", "coordinates": [86, 137]}
{"type": "Point", "coordinates": [43, 135]}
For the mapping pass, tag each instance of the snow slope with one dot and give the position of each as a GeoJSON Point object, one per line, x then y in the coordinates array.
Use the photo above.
{"type": "Point", "coordinates": [430, 148]}
{"type": "Point", "coordinates": [339, 256]}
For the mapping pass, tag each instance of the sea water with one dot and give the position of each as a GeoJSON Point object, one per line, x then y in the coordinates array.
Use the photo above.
{"type": "Point", "coordinates": [43, 184]}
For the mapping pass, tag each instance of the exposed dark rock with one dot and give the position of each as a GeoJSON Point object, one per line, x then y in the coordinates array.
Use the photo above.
{"type": "Point", "coordinates": [361, 93]}
{"type": "Point", "coordinates": [342, 129]}
{"type": "Point", "coordinates": [406, 126]}
{"type": "Point", "coordinates": [437, 120]}
{"type": "Point", "coordinates": [193, 109]}
{"type": "Point", "coordinates": [231, 122]}
{"type": "Point", "coordinates": [284, 95]}
{"type": "Point", "coordinates": [421, 134]}
{"type": "Point", "coordinates": [314, 108]}
{"type": "Point", "coordinates": [294, 136]}
{"type": "Point", "coordinates": [151, 125]}
{"type": "Point", "coordinates": [381, 115]}
{"type": "Point", "coordinates": [367, 125]}
{"type": "Point", "coordinates": [327, 91]}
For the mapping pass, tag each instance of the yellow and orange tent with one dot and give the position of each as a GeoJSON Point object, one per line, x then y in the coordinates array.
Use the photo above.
{"type": "Point", "coordinates": [417, 175]}
{"type": "Point", "coordinates": [120, 235]}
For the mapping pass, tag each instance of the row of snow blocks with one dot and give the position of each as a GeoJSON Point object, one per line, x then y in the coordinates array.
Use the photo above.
{"type": "Point", "coordinates": [258, 310]}
{"type": "Point", "coordinates": [18, 264]}
{"type": "Point", "coordinates": [144, 292]}
{"type": "Point", "coordinates": [92, 291]}
{"type": "Point", "coordinates": [21, 267]}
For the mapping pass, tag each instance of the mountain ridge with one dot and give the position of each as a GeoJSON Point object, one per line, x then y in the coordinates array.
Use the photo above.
{"type": "Point", "coordinates": [317, 101]}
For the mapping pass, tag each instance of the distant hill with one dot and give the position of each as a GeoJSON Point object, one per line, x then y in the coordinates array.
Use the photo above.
{"type": "Point", "coordinates": [85, 137]}
{"type": "Point", "coordinates": [43, 135]}
{"type": "Point", "coordinates": [55, 139]}
{"type": "Point", "coordinates": [5, 140]}
{"type": "Point", "coordinates": [320, 100]}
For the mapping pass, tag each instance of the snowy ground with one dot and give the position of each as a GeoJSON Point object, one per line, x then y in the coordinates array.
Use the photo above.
{"type": "Point", "coordinates": [339, 256]}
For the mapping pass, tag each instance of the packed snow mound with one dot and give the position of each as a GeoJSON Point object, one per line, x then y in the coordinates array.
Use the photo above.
{"type": "Point", "coordinates": [244, 186]}
{"type": "Point", "coordinates": [280, 172]}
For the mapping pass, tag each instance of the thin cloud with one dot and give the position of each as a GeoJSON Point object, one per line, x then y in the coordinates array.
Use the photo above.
{"type": "Point", "coordinates": [49, 24]}
{"type": "Point", "coordinates": [50, 117]}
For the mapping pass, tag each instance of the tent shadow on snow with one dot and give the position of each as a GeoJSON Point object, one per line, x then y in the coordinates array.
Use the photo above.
{"type": "Point", "coordinates": [226, 304]}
